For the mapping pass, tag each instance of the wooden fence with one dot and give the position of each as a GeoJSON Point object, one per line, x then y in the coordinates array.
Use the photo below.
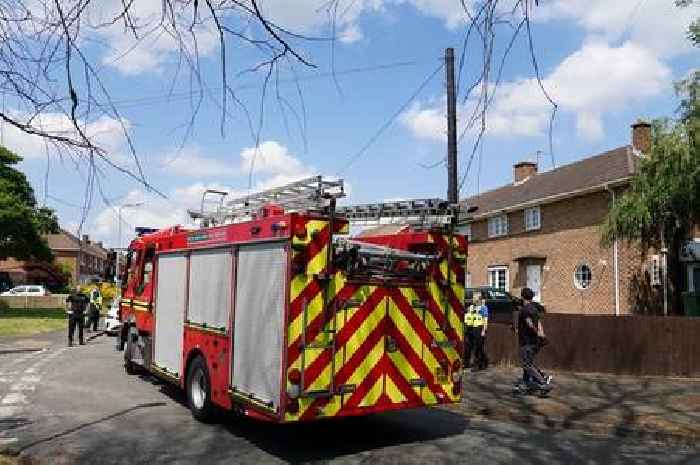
{"type": "Point", "coordinates": [635, 345]}
{"type": "Point", "coordinates": [50, 301]}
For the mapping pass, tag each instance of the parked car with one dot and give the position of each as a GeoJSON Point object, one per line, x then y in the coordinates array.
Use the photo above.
{"type": "Point", "coordinates": [30, 290]}
{"type": "Point", "coordinates": [112, 323]}
{"type": "Point", "coordinates": [502, 304]}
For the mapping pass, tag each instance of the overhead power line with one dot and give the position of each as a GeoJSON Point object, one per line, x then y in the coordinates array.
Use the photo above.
{"type": "Point", "coordinates": [353, 158]}
{"type": "Point", "coordinates": [186, 95]}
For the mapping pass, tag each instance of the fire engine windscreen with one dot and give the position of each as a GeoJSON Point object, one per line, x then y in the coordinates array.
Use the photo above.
{"type": "Point", "coordinates": [210, 287]}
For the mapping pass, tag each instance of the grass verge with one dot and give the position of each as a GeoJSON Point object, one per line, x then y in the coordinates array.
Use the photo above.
{"type": "Point", "coordinates": [25, 322]}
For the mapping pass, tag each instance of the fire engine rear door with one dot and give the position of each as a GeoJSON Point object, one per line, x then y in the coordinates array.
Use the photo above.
{"type": "Point", "coordinates": [258, 328]}
{"type": "Point", "coordinates": [170, 312]}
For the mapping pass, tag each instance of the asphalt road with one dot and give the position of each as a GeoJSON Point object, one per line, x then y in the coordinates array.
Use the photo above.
{"type": "Point", "coordinates": [65, 406]}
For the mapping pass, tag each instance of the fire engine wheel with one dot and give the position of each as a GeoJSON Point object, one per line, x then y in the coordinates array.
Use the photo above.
{"type": "Point", "coordinates": [129, 366]}
{"type": "Point", "coordinates": [198, 388]}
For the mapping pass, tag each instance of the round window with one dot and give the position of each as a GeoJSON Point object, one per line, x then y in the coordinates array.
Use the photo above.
{"type": "Point", "coordinates": [583, 276]}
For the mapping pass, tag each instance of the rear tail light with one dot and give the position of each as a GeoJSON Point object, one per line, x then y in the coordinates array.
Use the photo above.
{"type": "Point", "coordinates": [294, 376]}
{"type": "Point", "coordinates": [300, 230]}
{"type": "Point", "coordinates": [294, 387]}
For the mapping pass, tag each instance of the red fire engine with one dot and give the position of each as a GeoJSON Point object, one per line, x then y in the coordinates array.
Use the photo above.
{"type": "Point", "coordinates": [270, 308]}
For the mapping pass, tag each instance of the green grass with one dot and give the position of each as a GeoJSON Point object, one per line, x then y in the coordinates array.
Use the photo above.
{"type": "Point", "coordinates": [25, 322]}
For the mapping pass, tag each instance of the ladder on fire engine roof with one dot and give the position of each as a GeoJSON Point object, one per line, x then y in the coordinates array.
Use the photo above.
{"type": "Point", "coordinates": [310, 194]}
{"type": "Point", "coordinates": [416, 212]}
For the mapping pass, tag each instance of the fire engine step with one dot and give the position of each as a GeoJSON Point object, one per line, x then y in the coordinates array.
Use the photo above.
{"type": "Point", "coordinates": [317, 393]}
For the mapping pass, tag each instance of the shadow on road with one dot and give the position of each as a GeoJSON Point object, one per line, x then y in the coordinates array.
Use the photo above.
{"type": "Point", "coordinates": [331, 438]}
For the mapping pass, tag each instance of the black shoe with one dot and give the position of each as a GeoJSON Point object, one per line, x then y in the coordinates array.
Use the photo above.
{"type": "Point", "coordinates": [82, 343]}
{"type": "Point", "coordinates": [70, 343]}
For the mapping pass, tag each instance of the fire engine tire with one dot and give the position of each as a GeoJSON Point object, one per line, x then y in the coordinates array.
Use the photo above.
{"type": "Point", "coordinates": [130, 367]}
{"type": "Point", "coordinates": [198, 388]}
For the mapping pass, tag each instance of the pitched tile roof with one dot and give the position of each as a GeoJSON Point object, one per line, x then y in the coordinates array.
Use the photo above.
{"type": "Point", "coordinates": [67, 241]}
{"type": "Point", "coordinates": [607, 167]}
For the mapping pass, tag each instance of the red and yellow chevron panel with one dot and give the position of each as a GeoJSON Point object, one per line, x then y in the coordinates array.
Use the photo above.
{"type": "Point", "coordinates": [372, 347]}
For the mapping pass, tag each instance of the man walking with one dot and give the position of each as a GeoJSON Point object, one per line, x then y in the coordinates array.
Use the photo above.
{"type": "Point", "coordinates": [76, 304]}
{"type": "Point", "coordinates": [530, 338]}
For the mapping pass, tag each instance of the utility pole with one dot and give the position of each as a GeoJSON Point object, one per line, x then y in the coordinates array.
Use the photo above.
{"type": "Point", "coordinates": [452, 194]}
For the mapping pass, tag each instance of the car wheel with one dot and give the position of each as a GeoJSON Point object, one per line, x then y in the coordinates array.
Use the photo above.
{"type": "Point", "coordinates": [198, 386]}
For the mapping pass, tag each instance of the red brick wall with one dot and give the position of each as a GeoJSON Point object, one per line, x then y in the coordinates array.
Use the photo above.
{"type": "Point", "coordinates": [569, 236]}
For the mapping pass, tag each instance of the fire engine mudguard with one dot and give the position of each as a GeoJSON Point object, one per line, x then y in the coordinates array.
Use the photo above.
{"type": "Point", "coordinates": [198, 388]}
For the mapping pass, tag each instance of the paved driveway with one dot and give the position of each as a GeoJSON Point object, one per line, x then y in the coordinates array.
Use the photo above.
{"type": "Point", "coordinates": [76, 405]}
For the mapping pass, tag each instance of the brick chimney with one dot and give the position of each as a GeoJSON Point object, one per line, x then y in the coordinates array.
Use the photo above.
{"type": "Point", "coordinates": [641, 136]}
{"type": "Point", "coordinates": [523, 170]}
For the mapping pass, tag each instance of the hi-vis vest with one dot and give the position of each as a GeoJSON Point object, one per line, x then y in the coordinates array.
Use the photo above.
{"type": "Point", "coordinates": [96, 297]}
{"type": "Point", "coordinates": [473, 317]}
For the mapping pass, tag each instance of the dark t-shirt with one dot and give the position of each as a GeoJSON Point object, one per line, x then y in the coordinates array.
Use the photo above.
{"type": "Point", "coordinates": [78, 303]}
{"type": "Point", "coordinates": [527, 335]}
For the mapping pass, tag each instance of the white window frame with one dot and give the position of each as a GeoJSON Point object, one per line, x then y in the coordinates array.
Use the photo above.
{"type": "Point", "coordinates": [532, 214]}
{"type": "Point", "coordinates": [498, 226]}
{"type": "Point", "coordinates": [655, 272]}
{"type": "Point", "coordinates": [468, 279]}
{"type": "Point", "coordinates": [497, 270]}
{"type": "Point", "coordinates": [577, 283]}
{"type": "Point", "coordinates": [466, 230]}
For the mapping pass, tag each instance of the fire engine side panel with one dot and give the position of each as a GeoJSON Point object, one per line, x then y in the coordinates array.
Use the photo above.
{"type": "Point", "coordinates": [171, 293]}
{"type": "Point", "coordinates": [210, 288]}
{"type": "Point", "coordinates": [258, 333]}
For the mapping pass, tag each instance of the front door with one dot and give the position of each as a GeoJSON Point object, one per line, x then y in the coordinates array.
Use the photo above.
{"type": "Point", "coordinates": [534, 280]}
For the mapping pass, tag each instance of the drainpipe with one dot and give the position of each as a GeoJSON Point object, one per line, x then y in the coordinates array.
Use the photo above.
{"type": "Point", "coordinates": [615, 263]}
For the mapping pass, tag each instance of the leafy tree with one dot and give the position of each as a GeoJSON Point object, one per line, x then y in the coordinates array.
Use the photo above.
{"type": "Point", "coordinates": [663, 203]}
{"type": "Point", "coordinates": [22, 222]}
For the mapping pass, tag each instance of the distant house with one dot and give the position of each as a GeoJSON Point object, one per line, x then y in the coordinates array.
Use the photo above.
{"type": "Point", "coordinates": [83, 258]}
{"type": "Point", "coordinates": [543, 231]}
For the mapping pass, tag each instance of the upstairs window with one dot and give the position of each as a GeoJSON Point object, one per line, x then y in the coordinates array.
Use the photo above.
{"type": "Point", "coordinates": [498, 226]}
{"type": "Point", "coordinates": [532, 219]}
{"type": "Point", "coordinates": [466, 230]}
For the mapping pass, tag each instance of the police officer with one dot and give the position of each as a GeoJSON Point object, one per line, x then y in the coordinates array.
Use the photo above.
{"type": "Point", "coordinates": [76, 303]}
{"type": "Point", "coordinates": [480, 322]}
{"type": "Point", "coordinates": [95, 306]}
{"type": "Point", "coordinates": [470, 333]}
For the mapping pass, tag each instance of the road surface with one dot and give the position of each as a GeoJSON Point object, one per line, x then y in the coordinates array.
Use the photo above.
{"type": "Point", "coordinates": [76, 405]}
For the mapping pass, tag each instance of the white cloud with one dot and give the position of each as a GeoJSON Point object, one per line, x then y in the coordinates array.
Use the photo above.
{"type": "Point", "coordinates": [593, 81]}
{"type": "Point", "coordinates": [105, 132]}
{"type": "Point", "coordinates": [190, 162]}
{"type": "Point", "coordinates": [270, 159]}
{"type": "Point", "coordinates": [156, 42]}
{"type": "Point", "coordinates": [657, 24]}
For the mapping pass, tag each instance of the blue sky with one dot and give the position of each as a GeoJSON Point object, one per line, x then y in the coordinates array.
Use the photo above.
{"type": "Point", "coordinates": [605, 63]}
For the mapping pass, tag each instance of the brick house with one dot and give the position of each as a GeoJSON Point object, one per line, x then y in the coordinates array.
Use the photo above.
{"type": "Point", "coordinates": [85, 259]}
{"type": "Point", "coordinates": [543, 231]}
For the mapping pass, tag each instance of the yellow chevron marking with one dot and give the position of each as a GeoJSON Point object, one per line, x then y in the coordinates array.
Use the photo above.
{"type": "Point", "coordinates": [374, 394]}
{"type": "Point", "coordinates": [365, 329]}
{"type": "Point", "coordinates": [367, 364]}
{"type": "Point", "coordinates": [405, 368]}
{"type": "Point", "coordinates": [298, 284]}
{"type": "Point", "coordinates": [395, 395]}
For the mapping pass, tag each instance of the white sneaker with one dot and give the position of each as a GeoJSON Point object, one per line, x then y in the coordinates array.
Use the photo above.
{"type": "Point", "coordinates": [548, 379]}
